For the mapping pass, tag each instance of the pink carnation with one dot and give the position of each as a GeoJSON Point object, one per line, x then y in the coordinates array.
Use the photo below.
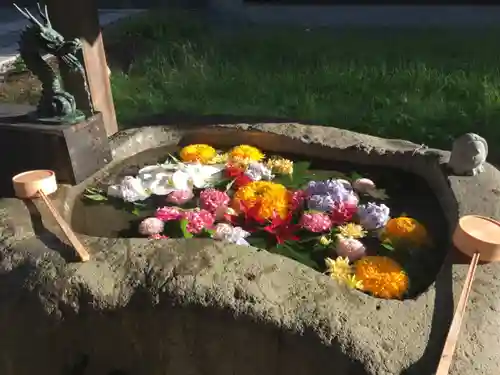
{"type": "Point", "coordinates": [341, 212]}
{"type": "Point", "coordinates": [168, 213]}
{"type": "Point", "coordinates": [198, 220]}
{"type": "Point", "coordinates": [180, 197]}
{"type": "Point", "coordinates": [212, 199]}
{"type": "Point", "coordinates": [316, 222]}
{"type": "Point", "coordinates": [297, 199]}
{"type": "Point", "coordinates": [151, 226]}
{"type": "Point", "coordinates": [350, 248]}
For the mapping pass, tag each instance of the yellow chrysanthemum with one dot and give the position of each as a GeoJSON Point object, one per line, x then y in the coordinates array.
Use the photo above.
{"type": "Point", "coordinates": [405, 231]}
{"type": "Point", "coordinates": [198, 153]}
{"type": "Point", "coordinates": [352, 282]}
{"type": "Point", "coordinates": [352, 230]}
{"type": "Point", "coordinates": [245, 153]}
{"type": "Point", "coordinates": [381, 276]}
{"type": "Point", "coordinates": [325, 240]}
{"type": "Point", "coordinates": [280, 165]}
{"type": "Point", "coordinates": [339, 268]}
{"type": "Point", "coordinates": [219, 159]}
{"type": "Point", "coordinates": [270, 197]}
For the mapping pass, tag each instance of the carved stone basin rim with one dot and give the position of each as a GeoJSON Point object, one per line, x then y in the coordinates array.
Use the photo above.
{"type": "Point", "coordinates": [257, 300]}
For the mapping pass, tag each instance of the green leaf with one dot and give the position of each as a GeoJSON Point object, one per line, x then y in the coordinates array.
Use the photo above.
{"type": "Point", "coordinates": [96, 197]}
{"type": "Point", "coordinates": [387, 245]}
{"type": "Point", "coordinates": [183, 224]}
{"type": "Point", "coordinates": [136, 211]}
{"type": "Point", "coordinates": [355, 176]}
{"type": "Point", "coordinates": [289, 251]}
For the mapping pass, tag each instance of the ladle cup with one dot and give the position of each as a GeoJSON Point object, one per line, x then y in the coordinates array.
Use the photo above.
{"type": "Point", "coordinates": [477, 237]}
{"type": "Point", "coordinates": [41, 183]}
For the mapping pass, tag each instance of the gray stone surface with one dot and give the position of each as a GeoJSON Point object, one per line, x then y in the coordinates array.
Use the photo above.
{"type": "Point", "coordinates": [198, 307]}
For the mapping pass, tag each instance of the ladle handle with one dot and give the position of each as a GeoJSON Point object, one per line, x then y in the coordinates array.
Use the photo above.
{"type": "Point", "coordinates": [452, 338]}
{"type": "Point", "coordinates": [70, 235]}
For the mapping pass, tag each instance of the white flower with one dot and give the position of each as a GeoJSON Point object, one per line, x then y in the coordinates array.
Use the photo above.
{"type": "Point", "coordinates": [156, 179]}
{"type": "Point", "coordinates": [226, 232]}
{"type": "Point", "coordinates": [258, 171]}
{"type": "Point", "coordinates": [203, 176]}
{"type": "Point", "coordinates": [130, 189]}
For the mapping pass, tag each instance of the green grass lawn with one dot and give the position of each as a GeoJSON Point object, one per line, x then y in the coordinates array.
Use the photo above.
{"type": "Point", "coordinates": [423, 85]}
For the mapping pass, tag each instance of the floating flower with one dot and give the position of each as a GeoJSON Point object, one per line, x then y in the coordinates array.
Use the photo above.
{"type": "Point", "coordinates": [280, 165]}
{"type": "Point", "coordinates": [403, 231]}
{"type": "Point", "coordinates": [338, 269]}
{"type": "Point", "coordinates": [341, 213]}
{"type": "Point", "coordinates": [323, 203]}
{"type": "Point", "coordinates": [258, 171]}
{"type": "Point", "coordinates": [270, 197]}
{"type": "Point", "coordinates": [219, 159]}
{"type": "Point", "coordinates": [297, 198]}
{"type": "Point", "coordinates": [179, 197]}
{"type": "Point", "coordinates": [199, 175]}
{"type": "Point", "coordinates": [381, 276]}
{"type": "Point", "coordinates": [238, 174]}
{"type": "Point", "coordinates": [151, 226]}
{"type": "Point", "coordinates": [130, 189]}
{"type": "Point", "coordinates": [159, 181]}
{"type": "Point", "coordinates": [226, 232]}
{"type": "Point", "coordinates": [352, 230]}
{"type": "Point", "coordinates": [213, 199]}
{"type": "Point", "coordinates": [246, 153]}
{"type": "Point", "coordinates": [352, 282]}
{"type": "Point", "coordinates": [350, 248]}
{"type": "Point", "coordinates": [198, 220]}
{"type": "Point", "coordinates": [200, 153]}
{"type": "Point", "coordinates": [363, 185]}
{"type": "Point", "coordinates": [168, 213]}
{"type": "Point", "coordinates": [315, 222]}
{"type": "Point", "coordinates": [373, 216]}
{"type": "Point", "coordinates": [325, 241]}
{"type": "Point", "coordinates": [282, 229]}
{"type": "Point", "coordinates": [335, 189]}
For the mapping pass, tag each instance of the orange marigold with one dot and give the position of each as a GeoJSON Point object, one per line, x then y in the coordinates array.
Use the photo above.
{"type": "Point", "coordinates": [270, 196]}
{"type": "Point", "coordinates": [198, 153]}
{"type": "Point", "coordinates": [381, 276]}
{"type": "Point", "coordinates": [405, 231]}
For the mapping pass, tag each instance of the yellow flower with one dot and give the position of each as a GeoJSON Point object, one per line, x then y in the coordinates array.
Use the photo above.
{"type": "Point", "coordinates": [269, 196]}
{"type": "Point", "coordinates": [352, 230]}
{"type": "Point", "coordinates": [280, 165]}
{"type": "Point", "coordinates": [339, 268]}
{"type": "Point", "coordinates": [245, 154]}
{"type": "Point", "coordinates": [405, 231]}
{"type": "Point", "coordinates": [325, 240]}
{"type": "Point", "coordinates": [381, 276]}
{"type": "Point", "coordinates": [198, 153]}
{"type": "Point", "coordinates": [352, 282]}
{"type": "Point", "coordinates": [219, 159]}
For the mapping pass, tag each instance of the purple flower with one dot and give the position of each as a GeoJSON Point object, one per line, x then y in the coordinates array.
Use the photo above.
{"type": "Point", "coordinates": [334, 188]}
{"type": "Point", "coordinates": [373, 216]}
{"type": "Point", "coordinates": [323, 203]}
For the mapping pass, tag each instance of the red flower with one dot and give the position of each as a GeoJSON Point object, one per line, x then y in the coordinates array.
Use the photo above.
{"type": "Point", "coordinates": [238, 174]}
{"type": "Point", "coordinates": [251, 214]}
{"type": "Point", "coordinates": [283, 229]}
{"type": "Point", "coordinates": [297, 199]}
{"type": "Point", "coordinates": [340, 213]}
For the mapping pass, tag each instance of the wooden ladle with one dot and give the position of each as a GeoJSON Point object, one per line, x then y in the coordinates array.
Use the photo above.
{"type": "Point", "coordinates": [41, 183]}
{"type": "Point", "coordinates": [477, 237]}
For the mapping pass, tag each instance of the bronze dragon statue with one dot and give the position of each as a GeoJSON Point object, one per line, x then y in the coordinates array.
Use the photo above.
{"type": "Point", "coordinates": [56, 106]}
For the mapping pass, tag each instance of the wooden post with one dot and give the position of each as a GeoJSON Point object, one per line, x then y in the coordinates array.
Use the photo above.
{"type": "Point", "coordinates": [80, 19]}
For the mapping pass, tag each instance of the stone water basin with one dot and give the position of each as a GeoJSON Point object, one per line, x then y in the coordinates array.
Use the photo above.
{"type": "Point", "coordinates": [201, 307]}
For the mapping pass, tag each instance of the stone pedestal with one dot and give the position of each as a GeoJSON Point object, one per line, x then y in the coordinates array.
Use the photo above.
{"type": "Point", "coordinates": [74, 152]}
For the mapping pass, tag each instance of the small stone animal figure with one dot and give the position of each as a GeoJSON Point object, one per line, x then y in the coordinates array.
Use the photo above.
{"type": "Point", "coordinates": [468, 154]}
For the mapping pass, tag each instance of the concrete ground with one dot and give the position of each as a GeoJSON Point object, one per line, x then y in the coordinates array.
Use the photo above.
{"type": "Point", "coordinates": [11, 24]}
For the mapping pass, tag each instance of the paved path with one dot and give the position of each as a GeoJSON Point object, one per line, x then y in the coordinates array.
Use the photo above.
{"type": "Point", "coordinates": [11, 23]}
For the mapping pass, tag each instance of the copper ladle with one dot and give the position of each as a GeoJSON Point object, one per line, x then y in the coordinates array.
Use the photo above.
{"type": "Point", "coordinates": [477, 237]}
{"type": "Point", "coordinates": [41, 183]}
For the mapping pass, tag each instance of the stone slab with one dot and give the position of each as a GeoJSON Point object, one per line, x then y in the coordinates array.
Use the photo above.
{"type": "Point", "coordinates": [74, 152]}
{"type": "Point", "coordinates": [199, 307]}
